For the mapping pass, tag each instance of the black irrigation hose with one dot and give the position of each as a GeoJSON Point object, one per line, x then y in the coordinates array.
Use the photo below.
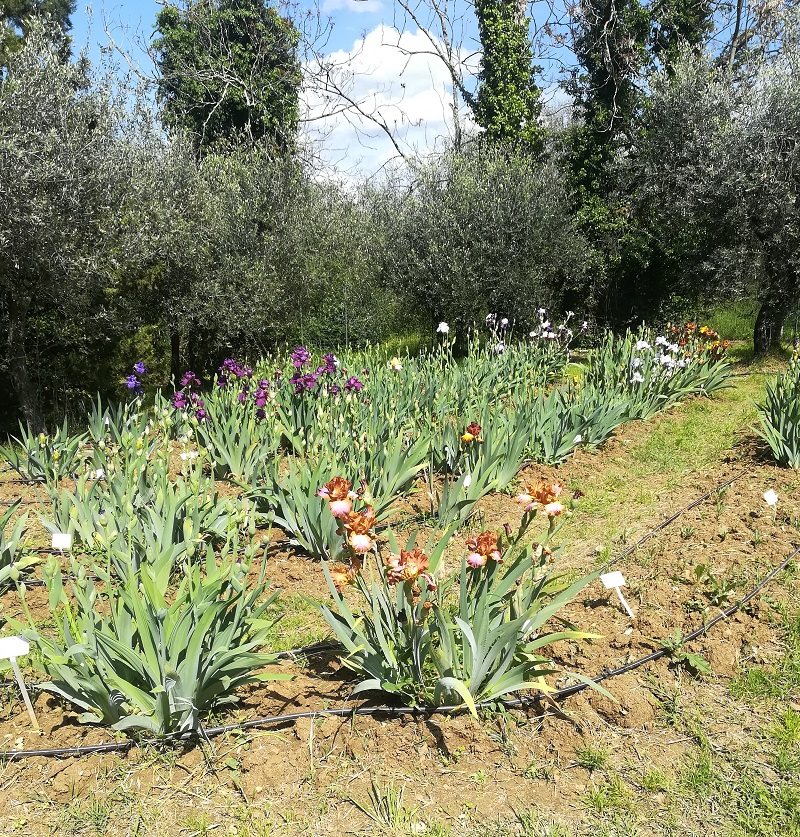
{"type": "Point", "coordinates": [397, 711]}
{"type": "Point", "coordinates": [661, 652]}
{"type": "Point", "coordinates": [328, 646]}
{"type": "Point", "coordinates": [673, 517]}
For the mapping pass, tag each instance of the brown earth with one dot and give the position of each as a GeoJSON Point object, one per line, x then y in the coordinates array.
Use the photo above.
{"type": "Point", "coordinates": [303, 777]}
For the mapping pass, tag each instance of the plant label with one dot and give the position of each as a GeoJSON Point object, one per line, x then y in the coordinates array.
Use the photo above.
{"type": "Point", "coordinates": [12, 647]}
{"type": "Point", "coordinates": [191, 455]}
{"type": "Point", "coordinates": [62, 541]}
{"type": "Point", "coordinates": [614, 581]}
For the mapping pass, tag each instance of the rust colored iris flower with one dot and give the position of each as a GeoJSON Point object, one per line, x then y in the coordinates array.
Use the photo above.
{"type": "Point", "coordinates": [409, 565]}
{"type": "Point", "coordinates": [360, 523]}
{"type": "Point", "coordinates": [342, 575]}
{"type": "Point", "coordinates": [336, 489]}
{"type": "Point", "coordinates": [543, 495]}
{"type": "Point", "coordinates": [481, 548]}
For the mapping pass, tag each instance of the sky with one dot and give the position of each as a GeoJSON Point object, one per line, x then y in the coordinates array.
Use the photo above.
{"type": "Point", "coordinates": [383, 61]}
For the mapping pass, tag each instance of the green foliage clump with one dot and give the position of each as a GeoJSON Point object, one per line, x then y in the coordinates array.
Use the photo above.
{"type": "Point", "coordinates": [780, 416]}
{"type": "Point", "coordinates": [489, 231]}
{"type": "Point", "coordinates": [229, 72]}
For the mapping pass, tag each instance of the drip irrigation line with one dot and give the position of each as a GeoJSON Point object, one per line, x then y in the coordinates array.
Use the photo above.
{"type": "Point", "coordinates": [328, 646]}
{"type": "Point", "coordinates": [673, 517]}
{"type": "Point", "coordinates": [396, 711]}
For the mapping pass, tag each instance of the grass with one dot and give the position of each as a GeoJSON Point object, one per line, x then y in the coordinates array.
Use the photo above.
{"type": "Point", "coordinates": [300, 624]}
{"type": "Point", "coordinates": [735, 320]}
{"type": "Point", "coordinates": [692, 436]}
{"type": "Point", "coordinates": [591, 758]}
{"type": "Point", "coordinates": [779, 681]}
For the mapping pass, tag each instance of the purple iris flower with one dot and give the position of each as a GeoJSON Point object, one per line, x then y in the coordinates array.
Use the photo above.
{"type": "Point", "coordinates": [300, 357]}
{"type": "Point", "coordinates": [139, 368]}
{"type": "Point", "coordinates": [133, 383]}
{"type": "Point", "coordinates": [353, 384]}
{"type": "Point", "coordinates": [189, 379]}
{"type": "Point", "coordinates": [179, 401]}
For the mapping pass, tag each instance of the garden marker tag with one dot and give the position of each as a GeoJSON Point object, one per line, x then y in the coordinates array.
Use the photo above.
{"type": "Point", "coordinates": [62, 541]}
{"type": "Point", "coordinates": [615, 580]}
{"type": "Point", "coordinates": [12, 647]}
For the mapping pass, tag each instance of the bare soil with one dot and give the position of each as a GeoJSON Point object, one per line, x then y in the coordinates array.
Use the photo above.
{"type": "Point", "coordinates": [304, 776]}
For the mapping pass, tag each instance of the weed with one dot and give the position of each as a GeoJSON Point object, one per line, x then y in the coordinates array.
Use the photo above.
{"type": "Point", "coordinates": [687, 532]}
{"type": "Point", "coordinates": [532, 825]}
{"type": "Point", "coordinates": [719, 501]}
{"type": "Point", "coordinates": [198, 824]}
{"type": "Point", "coordinates": [544, 770]}
{"type": "Point", "coordinates": [680, 657]}
{"type": "Point", "coordinates": [719, 590]}
{"type": "Point", "coordinates": [437, 829]}
{"type": "Point", "coordinates": [385, 807]}
{"type": "Point", "coordinates": [591, 758]}
{"type": "Point", "coordinates": [609, 795]}
{"type": "Point", "coordinates": [654, 780]}
{"type": "Point", "coordinates": [668, 700]}
{"type": "Point", "coordinates": [95, 812]}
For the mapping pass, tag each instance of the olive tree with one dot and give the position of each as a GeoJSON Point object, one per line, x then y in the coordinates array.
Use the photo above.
{"type": "Point", "coordinates": [717, 172]}
{"type": "Point", "coordinates": [488, 231]}
{"type": "Point", "coordinates": [73, 153]}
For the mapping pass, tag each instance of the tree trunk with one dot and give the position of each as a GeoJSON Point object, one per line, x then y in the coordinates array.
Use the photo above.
{"type": "Point", "coordinates": [175, 355]}
{"type": "Point", "coordinates": [18, 363]}
{"type": "Point", "coordinates": [769, 323]}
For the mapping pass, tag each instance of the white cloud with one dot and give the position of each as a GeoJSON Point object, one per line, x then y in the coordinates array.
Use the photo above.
{"type": "Point", "coordinates": [394, 78]}
{"type": "Point", "coordinates": [357, 6]}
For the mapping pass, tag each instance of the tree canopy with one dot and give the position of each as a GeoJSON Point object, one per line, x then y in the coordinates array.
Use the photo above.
{"type": "Point", "coordinates": [228, 72]}
{"type": "Point", "coordinates": [16, 17]}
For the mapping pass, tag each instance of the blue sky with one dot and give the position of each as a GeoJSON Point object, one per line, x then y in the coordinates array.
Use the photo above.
{"type": "Point", "coordinates": [383, 60]}
{"type": "Point", "coordinates": [135, 20]}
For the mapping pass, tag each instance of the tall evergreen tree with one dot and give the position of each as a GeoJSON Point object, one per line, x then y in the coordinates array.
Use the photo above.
{"type": "Point", "coordinates": [229, 72]}
{"type": "Point", "coordinates": [508, 103]}
{"type": "Point", "coordinates": [610, 38]}
{"type": "Point", "coordinates": [676, 23]}
{"type": "Point", "coordinates": [15, 18]}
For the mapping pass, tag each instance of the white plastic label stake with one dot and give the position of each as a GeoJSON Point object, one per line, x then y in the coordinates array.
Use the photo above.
{"type": "Point", "coordinates": [12, 647]}
{"type": "Point", "coordinates": [615, 580]}
{"type": "Point", "coordinates": [62, 541]}
{"type": "Point", "coordinates": [191, 455]}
